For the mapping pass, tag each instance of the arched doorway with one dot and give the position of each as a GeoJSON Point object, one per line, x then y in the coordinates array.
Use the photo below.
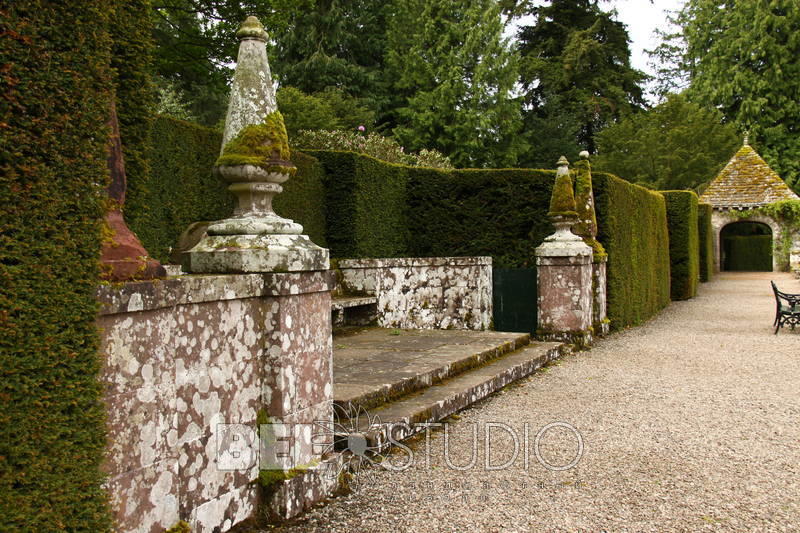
{"type": "Point", "coordinates": [746, 246]}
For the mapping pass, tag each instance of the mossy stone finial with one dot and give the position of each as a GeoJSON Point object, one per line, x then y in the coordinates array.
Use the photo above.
{"type": "Point", "coordinates": [252, 29]}
{"type": "Point", "coordinates": [263, 145]}
{"type": "Point", "coordinates": [584, 154]}
{"type": "Point", "coordinates": [562, 202]}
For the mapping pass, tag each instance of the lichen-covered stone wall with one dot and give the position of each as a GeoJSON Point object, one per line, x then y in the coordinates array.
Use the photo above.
{"type": "Point", "coordinates": [183, 356]}
{"type": "Point", "coordinates": [424, 293]}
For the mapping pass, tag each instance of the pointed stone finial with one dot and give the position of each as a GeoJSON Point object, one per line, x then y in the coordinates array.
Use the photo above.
{"type": "Point", "coordinates": [252, 29]}
{"type": "Point", "coordinates": [584, 154]}
{"type": "Point", "coordinates": [563, 166]}
{"type": "Point", "coordinates": [747, 138]}
{"type": "Point", "coordinates": [252, 92]}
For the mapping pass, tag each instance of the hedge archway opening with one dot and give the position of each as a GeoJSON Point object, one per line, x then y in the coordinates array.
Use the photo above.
{"type": "Point", "coordinates": [747, 247]}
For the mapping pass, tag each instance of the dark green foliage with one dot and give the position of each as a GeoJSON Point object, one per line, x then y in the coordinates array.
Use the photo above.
{"type": "Point", "coordinates": [675, 145]}
{"type": "Point", "coordinates": [327, 110]}
{"type": "Point", "coordinates": [184, 190]}
{"type": "Point", "coordinates": [378, 209]}
{"type": "Point", "coordinates": [684, 243]}
{"type": "Point", "coordinates": [706, 237]}
{"type": "Point", "coordinates": [54, 104]}
{"type": "Point", "coordinates": [749, 253]}
{"type": "Point", "coordinates": [632, 226]}
{"type": "Point", "coordinates": [303, 197]}
{"type": "Point", "coordinates": [131, 58]}
{"type": "Point", "coordinates": [366, 216]}
{"type": "Point", "coordinates": [576, 72]}
{"type": "Point", "coordinates": [499, 213]}
{"type": "Point", "coordinates": [452, 76]}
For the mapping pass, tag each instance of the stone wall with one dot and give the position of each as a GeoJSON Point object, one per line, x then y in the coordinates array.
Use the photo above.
{"type": "Point", "coordinates": [424, 293]}
{"type": "Point", "coordinates": [183, 356]}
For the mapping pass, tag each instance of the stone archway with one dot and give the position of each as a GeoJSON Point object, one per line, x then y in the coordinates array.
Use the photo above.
{"type": "Point", "coordinates": [722, 218]}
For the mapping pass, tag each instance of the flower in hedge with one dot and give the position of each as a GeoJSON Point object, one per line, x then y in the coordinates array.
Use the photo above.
{"type": "Point", "coordinates": [362, 128]}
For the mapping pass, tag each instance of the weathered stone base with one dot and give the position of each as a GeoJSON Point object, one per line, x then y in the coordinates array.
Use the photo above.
{"type": "Point", "coordinates": [294, 496]}
{"type": "Point", "coordinates": [255, 253]}
{"type": "Point", "coordinates": [579, 340]}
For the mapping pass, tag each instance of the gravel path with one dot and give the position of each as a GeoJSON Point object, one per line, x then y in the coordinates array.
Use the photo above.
{"type": "Point", "coordinates": [691, 422]}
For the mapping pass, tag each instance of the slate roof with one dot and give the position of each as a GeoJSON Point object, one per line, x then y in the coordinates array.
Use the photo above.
{"type": "Point", "coordinates": [745, 182]}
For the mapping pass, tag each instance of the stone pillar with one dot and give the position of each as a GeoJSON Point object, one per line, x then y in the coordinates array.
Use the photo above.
{"type": "Point", "coordinates": [297, 364]}
{"type": "Point", "coordinates": [123, 257]}
{"type": "Point", "coordinates": [586, 228]}
{"type": "Point", "coordinates": [564, 271]}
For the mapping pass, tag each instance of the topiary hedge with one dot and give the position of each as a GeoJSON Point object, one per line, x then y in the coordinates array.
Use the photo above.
{"type": "Point", "coordinates": [366, 205]}
{"type": "Point", "coordinates": [632, 227]}
{"type": "Point", "coordinates": [684, 243]}
{"type": "Point", "coordinates": [54, 105]}
{"type": "Point", "coordinates": [499, 213]}
{"type": "Point", "coordinates": [182, 189]}
{"type": "Point", "coordinates": [705, 234]}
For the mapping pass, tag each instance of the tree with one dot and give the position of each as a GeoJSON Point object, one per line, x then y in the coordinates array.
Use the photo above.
{"type": "Point", "coordinates": [328, 110]}
{"type": "Point", "coordinates": [451, 75]}
{"type": "Point", "coordinates": [576, 62]}
{"type": "Point", "coordinates": [675, 145]}
{"type": "Point", "coordinates": [334, 43]}
{"type": "Point", "coordinates": [741, 57]}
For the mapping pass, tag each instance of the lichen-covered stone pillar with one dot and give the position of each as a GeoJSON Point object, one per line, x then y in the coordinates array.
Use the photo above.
{"type": "Point", "coordinates": [297, 393]}
{"type": "Point", "coordinates": [586, 228]}
{"type": "Point", "coordinates": [564, 271]}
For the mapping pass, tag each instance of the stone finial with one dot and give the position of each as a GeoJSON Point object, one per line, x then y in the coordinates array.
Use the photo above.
{"type": "Point", "coordinates": [563, 166]}
{"type": "Point", "coordinates": [746, 138]}
{"type": "Point", "coordinates": [252, 92]}
{"type": "Point", "coordinates": [562, 201]}
{"type": "Point", "coordinates": [255, 161]}
{"type": "Point", "coordinates": [584, 154]}
{"type": "Point", "coordinates": [252, 29]}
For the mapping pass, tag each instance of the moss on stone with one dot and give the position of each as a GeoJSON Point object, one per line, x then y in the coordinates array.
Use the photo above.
{"type": "Point", "coordinates": [180, 527]}
{"type": "Point", "coordinates": [263, 145]}
{"type": "Point", "coordinates": [562, 201]}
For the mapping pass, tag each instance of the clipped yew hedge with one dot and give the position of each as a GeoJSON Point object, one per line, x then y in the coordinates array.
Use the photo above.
{"type": "Point", "coordinates": [705, 234]}
{"type": "Point", "coordinates": [366, 205]}
{"type": "Point", "coordinates": [632, 227]}
{"type": "Point", "coordinates": [499, 213]}
{"type": "Point", "coordinates": [55, 101]}
{"type": "Point", "coordinates": [684, 243]}
{"type": "Point", "coordinates": [181, 189]}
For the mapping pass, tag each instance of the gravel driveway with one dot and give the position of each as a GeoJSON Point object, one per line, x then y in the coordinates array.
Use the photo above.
{"type": "Point", "coordinates": [691, 422]}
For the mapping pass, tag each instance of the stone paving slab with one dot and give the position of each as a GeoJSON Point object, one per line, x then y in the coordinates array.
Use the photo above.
{"type": "Point", "coordinates": [374, 365]}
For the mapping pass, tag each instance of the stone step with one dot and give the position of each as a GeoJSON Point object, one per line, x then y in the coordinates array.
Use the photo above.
{"type": "Point", "coordinates": [407, 415]}
{"type": "Point", "coordinates": [375, 365]}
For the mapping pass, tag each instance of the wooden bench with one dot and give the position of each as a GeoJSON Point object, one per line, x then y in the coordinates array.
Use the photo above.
{"type": "Point", "coordinates": [787, 309]}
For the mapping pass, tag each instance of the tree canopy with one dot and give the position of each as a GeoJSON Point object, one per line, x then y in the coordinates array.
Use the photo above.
{"type": "Point", "coordinates": [740, 57]}
{"type": "Point", "coordinates": [676, 145]}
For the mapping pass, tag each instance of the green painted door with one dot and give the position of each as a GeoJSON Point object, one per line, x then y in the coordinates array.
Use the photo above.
{"type": "Point", "coordinates": [514, 299]}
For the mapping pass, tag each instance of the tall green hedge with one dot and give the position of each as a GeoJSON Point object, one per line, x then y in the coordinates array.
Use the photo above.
{"type": "Point", "coordinates": [632, 226]}
{"type": "Point", "coordinates": [499, 213]}
{"type": "Point", "coordinates": [705, 234]}
{"type": "Point", "coordinates": [366, 205]}
{"type": "Point", "coordinates": [181, 188]}
{"type": "Point", "coordinates": [684, 243]}
{"type": "Point", "coordinates": [54, 103]}
{"type": "Point", "coordinates": [131, 55]}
